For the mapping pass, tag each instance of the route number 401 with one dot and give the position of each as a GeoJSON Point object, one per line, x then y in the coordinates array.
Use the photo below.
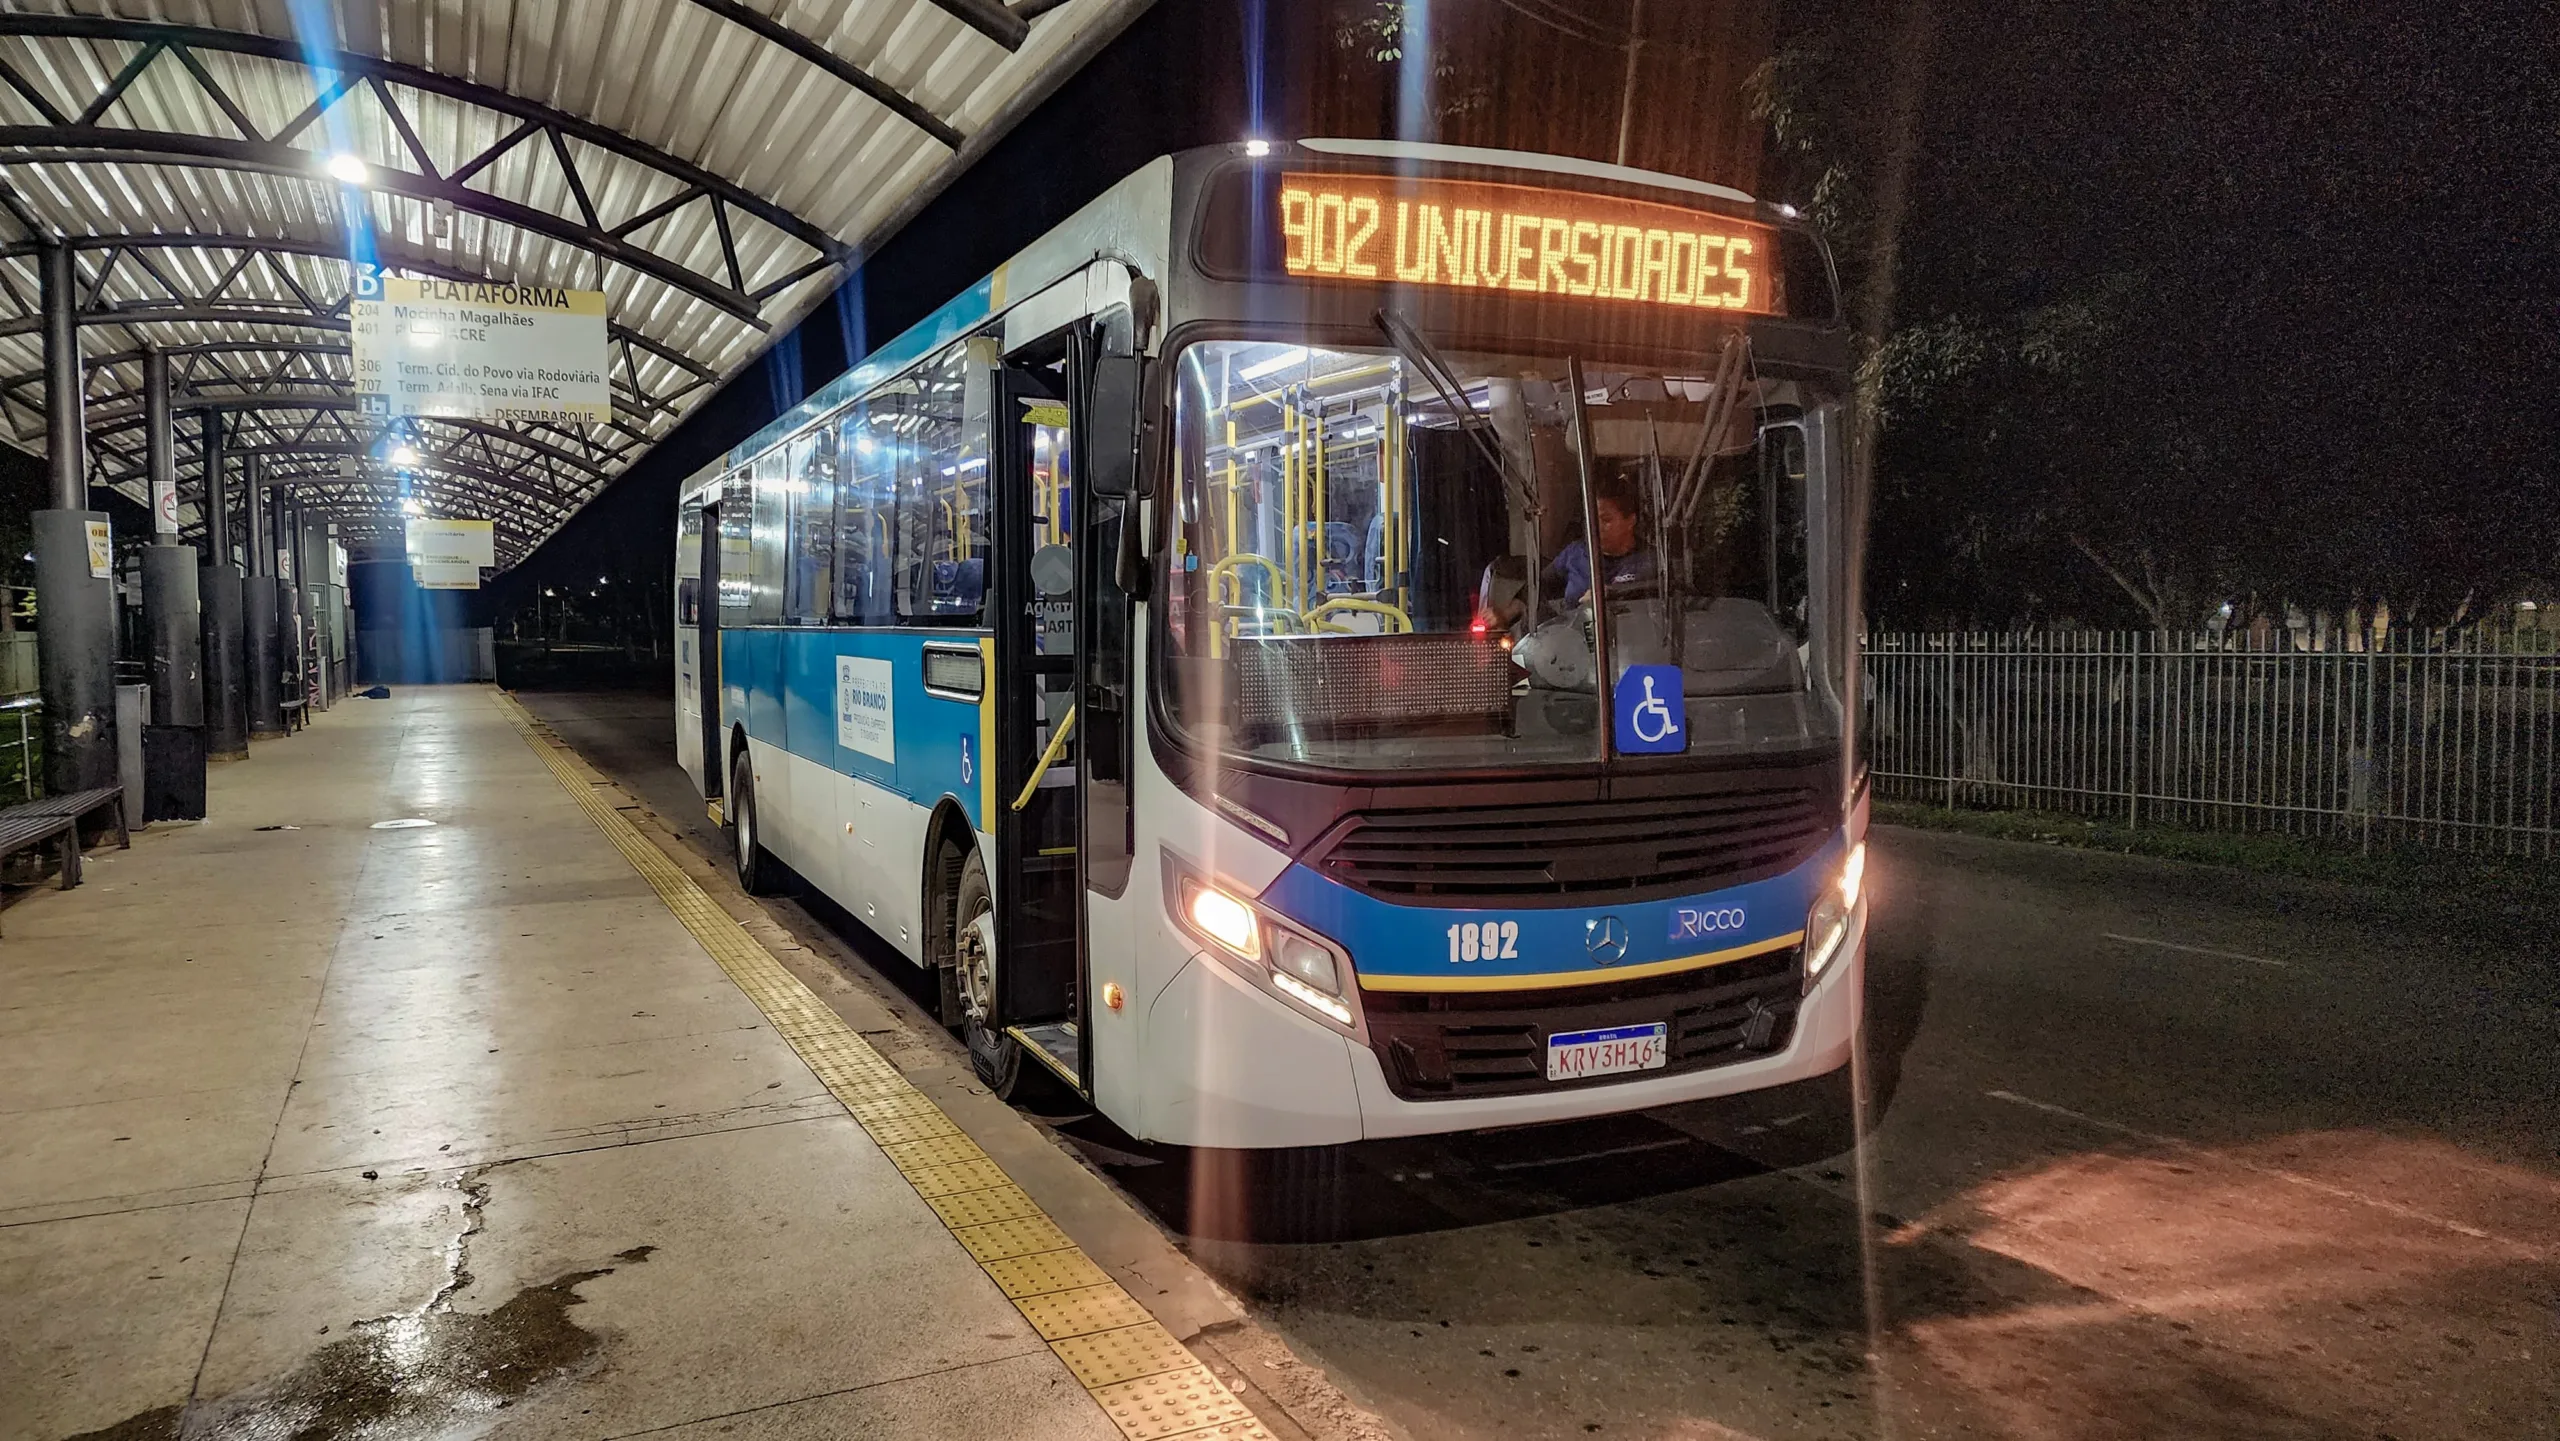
{"type": "Point", "coordinates": [1483, 941]}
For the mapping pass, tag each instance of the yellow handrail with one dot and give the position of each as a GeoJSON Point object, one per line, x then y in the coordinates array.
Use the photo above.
{"type": "Point", "coordinates": [1395, 613]}
{"type": "Point", "coordinates": [1048, 758]}
{"type": "Point", "coordinates": [1225, 569]}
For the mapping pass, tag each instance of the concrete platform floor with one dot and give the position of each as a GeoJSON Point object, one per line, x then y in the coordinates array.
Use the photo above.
{"type": "Point", "coordinates": [310, 1127]}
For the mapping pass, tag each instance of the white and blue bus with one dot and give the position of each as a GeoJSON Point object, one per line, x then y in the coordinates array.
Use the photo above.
{"type": "Point", "coordinates": [1335, 640]}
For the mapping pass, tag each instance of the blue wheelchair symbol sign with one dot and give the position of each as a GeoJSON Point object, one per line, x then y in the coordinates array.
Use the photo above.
{"type": "Point", "coordinates": [1651, 719]}
{"type": "Point", "coordinates": [968, 764]}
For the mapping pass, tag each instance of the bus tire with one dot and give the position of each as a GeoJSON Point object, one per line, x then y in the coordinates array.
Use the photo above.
{"type": "Point", "coordinates": [995, 1056]}
{"type": "Point", "coordinates": [746, 832]}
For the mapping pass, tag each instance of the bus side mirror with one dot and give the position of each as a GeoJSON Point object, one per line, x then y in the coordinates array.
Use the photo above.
{"type": "Point", "coordinates": [1111, 413]}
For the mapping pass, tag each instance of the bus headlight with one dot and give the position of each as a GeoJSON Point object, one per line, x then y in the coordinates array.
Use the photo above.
{"type": "Point", "coordinates": [1222, 918]}
{"type": "Point", "coordinates": [1826, 926]}
{"type": "Point", "coordinates": [1295, 965]}
{"type": "Point", "coordinates": [1295, 957]}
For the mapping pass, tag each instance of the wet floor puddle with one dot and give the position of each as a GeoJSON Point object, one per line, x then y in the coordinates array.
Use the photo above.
{"type": "Point", "coordinates": [411, 1374]}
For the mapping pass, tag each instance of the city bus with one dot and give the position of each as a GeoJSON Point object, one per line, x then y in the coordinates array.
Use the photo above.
{"type": "Point", "coordinates": [1336, 639]}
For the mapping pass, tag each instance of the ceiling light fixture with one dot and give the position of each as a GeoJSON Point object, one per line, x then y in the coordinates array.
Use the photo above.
{"type": "Point", "coordinates": [348, 170]}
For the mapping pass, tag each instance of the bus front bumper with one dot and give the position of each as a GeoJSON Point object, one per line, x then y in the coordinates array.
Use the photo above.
{"type": "Point", "coordinates": [1234, 1067]}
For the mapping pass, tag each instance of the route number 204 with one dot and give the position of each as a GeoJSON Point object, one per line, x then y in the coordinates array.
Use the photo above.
{"type": "Point", "coordinates": [1483, 941]}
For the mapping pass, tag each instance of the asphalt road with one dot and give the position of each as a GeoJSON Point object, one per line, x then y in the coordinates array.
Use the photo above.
{"type": "Point", "coordinates": [2162, 1151]}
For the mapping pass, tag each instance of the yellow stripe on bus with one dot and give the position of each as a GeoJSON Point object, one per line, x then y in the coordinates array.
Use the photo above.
{"type": "Point", "coordinates": [987, 734]}
{"type": "Point", "coordinates": [1552, 979]}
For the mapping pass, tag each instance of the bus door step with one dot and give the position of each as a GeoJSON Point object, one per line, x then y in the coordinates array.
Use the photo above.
{"type": "Point", "coordinates": [1056, 1045]}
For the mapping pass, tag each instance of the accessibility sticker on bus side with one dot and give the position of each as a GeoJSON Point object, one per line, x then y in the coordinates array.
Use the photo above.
{"type": "Point", "coordinates": [866, 702]}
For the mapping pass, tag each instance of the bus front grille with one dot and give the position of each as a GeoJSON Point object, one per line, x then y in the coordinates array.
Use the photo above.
{"type": "Point", "coordinates": [1626, 849]}
{"type": "Point", "coordinates": [1443, 1046]}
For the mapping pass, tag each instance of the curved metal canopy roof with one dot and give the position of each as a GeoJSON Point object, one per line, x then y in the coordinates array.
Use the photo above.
{"type": "Point", "coordinates": [711, 165]}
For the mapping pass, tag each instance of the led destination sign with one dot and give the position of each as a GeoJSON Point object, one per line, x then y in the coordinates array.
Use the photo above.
{"type": "Point", "coordinates": [1470, 235]}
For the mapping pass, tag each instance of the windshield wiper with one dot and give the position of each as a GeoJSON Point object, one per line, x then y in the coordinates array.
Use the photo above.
{"type": "Point", "coordinates": [1721, 397]}
{"type": "Point", "coordinates": [1419, 353]}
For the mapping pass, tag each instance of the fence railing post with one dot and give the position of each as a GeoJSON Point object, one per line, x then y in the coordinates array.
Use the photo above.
{"type": "Point", "coordinates": [1950, 693]}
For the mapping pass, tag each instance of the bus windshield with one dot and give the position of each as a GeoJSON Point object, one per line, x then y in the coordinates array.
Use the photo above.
{"type": "Point", "coordinates": [1386, 557]}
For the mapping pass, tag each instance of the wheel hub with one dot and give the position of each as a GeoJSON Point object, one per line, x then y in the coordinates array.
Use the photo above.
{"type": "Point", "coordinates": [977, 960]}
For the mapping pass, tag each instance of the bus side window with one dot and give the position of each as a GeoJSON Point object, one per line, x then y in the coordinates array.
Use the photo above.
{"type": "Point", "coordinates": [809, 576]}
{"type": "Point", "coordinates": [866, 513]}
{"type": "Point", "coordinates": [770, 545]}
{"type": "Point", "coordinates": [943, 533]}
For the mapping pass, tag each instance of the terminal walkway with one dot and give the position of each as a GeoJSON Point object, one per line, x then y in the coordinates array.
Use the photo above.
{"type": "Point", "coordinates": [419, 1094]}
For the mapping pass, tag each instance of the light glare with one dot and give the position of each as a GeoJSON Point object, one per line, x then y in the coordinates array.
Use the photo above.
{"type": "Point", "coordinates": [1223, 919]}
{"type": "Point", "coordinates": [348, 170]}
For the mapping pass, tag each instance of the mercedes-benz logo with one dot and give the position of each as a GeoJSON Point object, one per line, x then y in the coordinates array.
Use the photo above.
{"type": "Point", "coordinates": [1605, 939]}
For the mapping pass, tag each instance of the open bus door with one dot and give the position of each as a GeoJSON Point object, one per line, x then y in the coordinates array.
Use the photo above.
{"type": "Point", "coordinates": [706, 651]}
{"type": "Point", "coordinates": [1063, 722]}
{"type": "Point", "coordinates": [1039, 977]}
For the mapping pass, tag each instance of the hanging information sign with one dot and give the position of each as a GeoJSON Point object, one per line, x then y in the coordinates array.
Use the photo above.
{"type": "Point", "coordinates": [478, 351]}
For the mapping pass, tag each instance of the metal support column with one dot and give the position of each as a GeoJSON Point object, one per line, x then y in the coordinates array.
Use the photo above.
{"type": "Point", "coordinates": [226, 670]}
{"type": "Point", "coordinates": [172, 616]}
{"type": "Point", "coordinates": [75, 597]}
{"type": "Point", "coordinates": [298, 596]}
{"type": "Point", "coordinates": [258, 604]}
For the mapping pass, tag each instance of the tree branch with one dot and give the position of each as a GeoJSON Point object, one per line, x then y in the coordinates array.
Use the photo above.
{"type": "Point", "coordinates": [2150, 603]}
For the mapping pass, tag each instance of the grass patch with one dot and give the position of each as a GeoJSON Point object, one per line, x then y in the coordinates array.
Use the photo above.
{"type": "Point", "coordinates": [2406, 868]}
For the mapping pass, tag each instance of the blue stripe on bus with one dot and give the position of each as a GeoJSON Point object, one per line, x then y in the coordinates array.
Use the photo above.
{"type": "Point", "coordinates": [1392, 944]}
{"type": "Point", "coordinates": [783, 682]}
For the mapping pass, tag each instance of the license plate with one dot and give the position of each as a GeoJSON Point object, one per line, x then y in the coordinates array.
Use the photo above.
{"type": "Point", "coordinates": [1580, 1055]}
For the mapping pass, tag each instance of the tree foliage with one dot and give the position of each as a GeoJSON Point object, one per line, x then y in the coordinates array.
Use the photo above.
{"type": "Point", "coordinates": [2193, 307]}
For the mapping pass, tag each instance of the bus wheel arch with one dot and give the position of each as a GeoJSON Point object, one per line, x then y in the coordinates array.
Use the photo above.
{"type": "Point", "coordinates": [949, 843]}
{"type": "Point", "coordinates": [960, 915]}
{"type": "Point", "coordinates": [755, 865]}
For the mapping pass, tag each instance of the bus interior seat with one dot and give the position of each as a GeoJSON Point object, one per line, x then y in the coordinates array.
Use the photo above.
{"type": "Point", "coordinates": [959, 585]}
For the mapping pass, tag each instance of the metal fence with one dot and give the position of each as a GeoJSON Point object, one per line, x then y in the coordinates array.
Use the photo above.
{"type": "Point", "coordinates": [17, 660]}
{"type": "Point", "coordinates": [2438, 739]}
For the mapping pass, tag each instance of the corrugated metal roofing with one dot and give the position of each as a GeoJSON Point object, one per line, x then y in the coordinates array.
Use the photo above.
{"type": "Point", "coordinates": [709, 164]}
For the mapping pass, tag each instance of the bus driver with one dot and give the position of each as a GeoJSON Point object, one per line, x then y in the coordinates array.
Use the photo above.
{"type": "Point", "coordinates": [1615, 511]}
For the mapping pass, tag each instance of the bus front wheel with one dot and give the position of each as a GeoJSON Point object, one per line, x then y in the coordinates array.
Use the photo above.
{"type": "Point", "coordinates": [746, 835]}
{"type": "Point", "coordinates": [995, 1056]}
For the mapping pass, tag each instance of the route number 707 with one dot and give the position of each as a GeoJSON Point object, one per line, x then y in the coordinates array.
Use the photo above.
{"type": "Point", "coordinates": [1483, 941]}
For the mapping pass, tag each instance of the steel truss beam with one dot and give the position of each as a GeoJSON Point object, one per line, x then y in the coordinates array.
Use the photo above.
{"type": "Point", "coordinates": [103, 145]}
{"type": "Point", "coordinates": [460, 454]}
{"type": "Point", "coordinates": [767, 28]}
{"type": "Point", "coordinates": [334, 248]}
{"type": "Point", "coordinates": [458, 475]}
{"type": "Point", "coordinates": [66, 137]}
{"type": "Point", "coordinates": [127, 414]}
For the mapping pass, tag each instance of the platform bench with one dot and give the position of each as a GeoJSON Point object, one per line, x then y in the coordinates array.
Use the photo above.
{"type": "Point", "coordinates": [57, 819]}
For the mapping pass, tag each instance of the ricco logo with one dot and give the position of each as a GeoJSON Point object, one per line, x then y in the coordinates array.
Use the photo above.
{"type": "Point", "coordinates": [1689, 923]}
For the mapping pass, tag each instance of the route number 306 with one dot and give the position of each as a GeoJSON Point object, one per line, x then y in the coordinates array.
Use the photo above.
{"type": "Point", "coordinates": [1483, 941]}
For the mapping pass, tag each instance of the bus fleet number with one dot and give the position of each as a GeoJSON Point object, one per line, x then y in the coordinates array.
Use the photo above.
{"type": "Point", "coordinates": [1483, 941]}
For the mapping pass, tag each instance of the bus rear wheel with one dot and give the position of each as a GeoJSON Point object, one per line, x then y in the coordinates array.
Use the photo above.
{"type": "Point", "coordinates": [746, 836]}
{"type": "Point", "coordinates": [995, 1056]}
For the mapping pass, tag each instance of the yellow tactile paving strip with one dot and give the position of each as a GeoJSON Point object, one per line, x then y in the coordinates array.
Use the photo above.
{"type": "Point", "coordinates": [1145, 1380]}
